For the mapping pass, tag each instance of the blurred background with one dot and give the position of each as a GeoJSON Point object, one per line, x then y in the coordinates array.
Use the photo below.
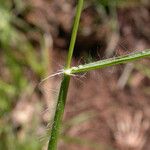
{"type": "Point", "coordinates": [108, 109]}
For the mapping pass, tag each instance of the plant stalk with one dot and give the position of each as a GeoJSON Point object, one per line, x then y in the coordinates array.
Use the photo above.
{"type": "Point", "coordinates": [74, 33]}
{"type": "Point", "coordinates": [59, 113]}
{"type": "Point", "coordinates": [64, 84]}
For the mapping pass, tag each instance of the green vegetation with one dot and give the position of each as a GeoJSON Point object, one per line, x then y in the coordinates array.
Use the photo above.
{"type": "Point", "coordinates": [82, 68]}
{"type": "Point", "coordinates": [108, 62]}
{"type": "Point", "coordinates": [16, 55]}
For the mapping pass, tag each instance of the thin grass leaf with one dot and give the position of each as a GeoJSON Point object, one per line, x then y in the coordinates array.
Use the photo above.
{"type": "Point", "coordinates": [108, 62]}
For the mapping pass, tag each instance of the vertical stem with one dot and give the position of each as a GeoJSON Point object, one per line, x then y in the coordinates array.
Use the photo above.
{"type": "Point", "coordinates": [74, 33]}
{"type": "Point", "coordinates": [64, 85]}
{"type": "Point", "coordinates": [59, 113]}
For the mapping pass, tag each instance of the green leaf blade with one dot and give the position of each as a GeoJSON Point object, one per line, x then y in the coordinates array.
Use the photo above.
{"type": "Point", "coordinates": [110, 62]}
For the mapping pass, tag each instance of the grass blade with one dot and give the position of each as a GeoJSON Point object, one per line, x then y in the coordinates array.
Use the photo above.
{"type": "Point", "coordinates": [108, 62]}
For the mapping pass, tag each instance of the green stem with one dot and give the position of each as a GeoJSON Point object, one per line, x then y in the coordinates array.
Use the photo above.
{"type": "Point", "coordinates": [74, 33]}
{"type": "Point", "coordinates": [59, 113]}
{"type": "Point", "coordinates": [64, 85]}
{"type": "Point", "coordinates": [108, 62]}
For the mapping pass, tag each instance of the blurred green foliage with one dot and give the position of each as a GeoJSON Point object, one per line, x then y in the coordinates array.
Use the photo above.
{"type": "Point", "coordinates": [10, 141]}
{"type": "Point", "coordinates": [17, 56]}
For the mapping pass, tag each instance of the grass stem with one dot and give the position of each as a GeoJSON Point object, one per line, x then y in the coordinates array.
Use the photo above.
{"type": "Point", "coordinates": [74, 33]}
{"type": "Point", "coordinates": [59, 113]}
{"type": "Point", "coordinates": [64, 85]}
